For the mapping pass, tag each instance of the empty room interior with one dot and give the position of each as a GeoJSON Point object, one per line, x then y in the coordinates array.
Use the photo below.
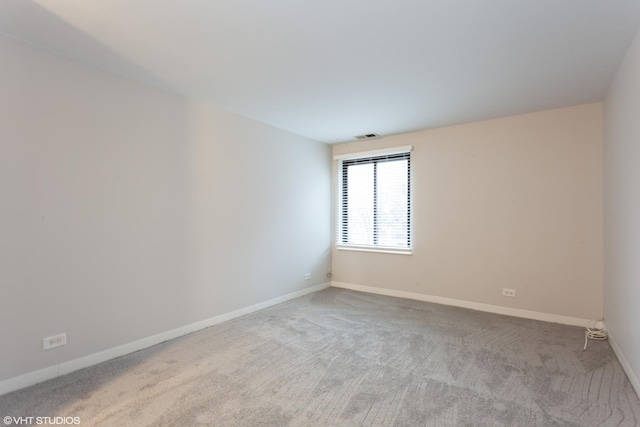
{"type": "Point", "coordinates": [320, 213]}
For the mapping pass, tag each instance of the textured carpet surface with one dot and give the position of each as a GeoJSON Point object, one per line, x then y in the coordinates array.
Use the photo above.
{"type": "Point", "coordinates": [343, 358]}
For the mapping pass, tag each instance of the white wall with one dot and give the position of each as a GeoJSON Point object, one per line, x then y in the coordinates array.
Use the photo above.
{"type": "Point", "coordinates": [126, 211]}
{"type": "Point", "coordinates": [622, 211]}
{"type": "Point", "coordinates": [509, 203]}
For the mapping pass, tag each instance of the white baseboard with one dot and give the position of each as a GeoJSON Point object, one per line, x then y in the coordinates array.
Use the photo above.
{"type": "Point", "coordinates": [31, 378]}
{"type": "Point", "coordinates": [516, 312]}
{"type": "Point", "coordinates": [625, 364]}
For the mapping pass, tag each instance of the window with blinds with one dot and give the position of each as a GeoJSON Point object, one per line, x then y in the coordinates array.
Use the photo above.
{"type": "Point", "coordinates": [374, 211]}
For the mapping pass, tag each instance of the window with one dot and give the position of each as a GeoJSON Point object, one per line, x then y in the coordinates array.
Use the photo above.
{"type": "Point", "coordinates": [374, 201]}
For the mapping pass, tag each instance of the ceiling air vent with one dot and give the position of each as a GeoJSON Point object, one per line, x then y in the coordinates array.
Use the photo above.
{"type": "Point", "coordinates": [368, 136]}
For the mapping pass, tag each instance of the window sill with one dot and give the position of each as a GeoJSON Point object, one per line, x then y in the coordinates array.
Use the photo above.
{"type": "Point", "coordinates": [384, 250]}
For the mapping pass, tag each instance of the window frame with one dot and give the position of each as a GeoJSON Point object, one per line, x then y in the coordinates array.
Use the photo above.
{"type": "Point", "coordinates": [374, 156]}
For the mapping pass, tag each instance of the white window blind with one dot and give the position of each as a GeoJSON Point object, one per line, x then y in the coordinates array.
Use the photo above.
{"type": "Point", "coordinates": [374, 201]}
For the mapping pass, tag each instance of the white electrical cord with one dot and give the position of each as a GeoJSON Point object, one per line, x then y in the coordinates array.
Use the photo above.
{"type": "Point", "coordinates": [595, 331]}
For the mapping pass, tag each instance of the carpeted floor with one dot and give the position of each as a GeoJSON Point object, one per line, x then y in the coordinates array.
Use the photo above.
{"type": "Point", "coordinates": [343, 358]}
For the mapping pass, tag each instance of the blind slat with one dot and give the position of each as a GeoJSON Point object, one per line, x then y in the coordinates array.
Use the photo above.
{"type": "Point", "coordinates": [375, 201]}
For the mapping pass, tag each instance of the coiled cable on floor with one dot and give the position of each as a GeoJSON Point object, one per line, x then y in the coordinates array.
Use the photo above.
{"type": "Point", "coordinates": [595, 331]}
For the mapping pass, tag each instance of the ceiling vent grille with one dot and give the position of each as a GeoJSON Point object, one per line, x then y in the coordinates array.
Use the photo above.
{"type": "Point", "coordinates": [368, 136]}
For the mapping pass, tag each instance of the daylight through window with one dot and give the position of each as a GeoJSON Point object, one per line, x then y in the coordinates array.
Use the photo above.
{"type": "Point", "coordinates": [375, 201]}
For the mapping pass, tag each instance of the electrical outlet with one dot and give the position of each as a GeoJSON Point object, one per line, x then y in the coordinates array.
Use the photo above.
{"type": "Point", "coordinates": [509, 292]}
{"type": "Point", "coordinates": [307, 276]}
{"type": "Point", "coordinates": [54, 341]}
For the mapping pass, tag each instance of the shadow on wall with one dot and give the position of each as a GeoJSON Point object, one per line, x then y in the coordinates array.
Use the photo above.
{"type": "Point", "coordinates": [47, 27]}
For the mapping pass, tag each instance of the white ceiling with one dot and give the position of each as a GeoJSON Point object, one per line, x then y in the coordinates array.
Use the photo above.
{"type": "Point", "coordinates": [333, 69]}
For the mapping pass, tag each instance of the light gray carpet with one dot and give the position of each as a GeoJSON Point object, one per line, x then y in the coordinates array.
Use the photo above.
{"type": "Point", "coordinates": [343, 358]}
